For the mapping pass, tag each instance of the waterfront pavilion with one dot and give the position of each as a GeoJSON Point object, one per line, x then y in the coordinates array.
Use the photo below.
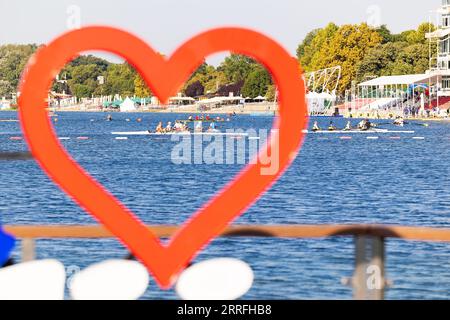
{"type": "Point", "coordinates": [397, 90]}
{"type": "Point", "coordinates": [396, 86]}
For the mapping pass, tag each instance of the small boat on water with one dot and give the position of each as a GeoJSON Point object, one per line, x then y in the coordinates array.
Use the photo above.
{"type": "Point", "coordinates": [355, 131]}
{"type": "Point", "coordinates": [181, 133]}
{"type": "Point", "coordinates": [263, 114]}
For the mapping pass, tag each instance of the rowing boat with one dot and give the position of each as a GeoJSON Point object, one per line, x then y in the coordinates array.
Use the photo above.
{"type": "Point", "coordinates": [185, 133]}
{"type": "Point", "coordinates": [371, 131]}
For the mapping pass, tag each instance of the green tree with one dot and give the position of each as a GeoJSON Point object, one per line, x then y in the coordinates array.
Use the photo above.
{"type": "Point", "coordinates": [306, 44]}
{"type": "Point", "coordinates": [257, 83]}
{"type": "Point", "coordinates": [380, 61]}
{"type": "Point", "coordinates": [140, 87]}
{"type": "Point", "coordinates": [215, 80]}
{"type": "Point", "coordinates": [102, 64]}
{"type": "Point", "coordinates": [6, 88]}
{"type": "Point", "coordinates": [120, 79]}
{"type": "Point", "coordinates": [237, 67]}
{"type": "Point", "coordinates": [385, 34]}
{"type": "Point", "coordinates": [311, 51]}
{"type": "Point", "coordinates": [13, 59]}
{"type": "Point", "coordinates": [271, 93]}
{"type": "Point", "coordinates": [413, 59]}
{"type": "Point", "coordinates": [210, 78]}
{"type": "Point", "coordinates": [418, 36]}
{"type": "Point", "coordinates": [345, 46]}
{"type": "Point", "coordinates": [83, 79]}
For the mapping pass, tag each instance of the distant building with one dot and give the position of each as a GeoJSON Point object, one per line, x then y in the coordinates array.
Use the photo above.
{"type": "Point", "coordinates": [442, 36]}
{"type": "Point", "coordinates": [414, 93]}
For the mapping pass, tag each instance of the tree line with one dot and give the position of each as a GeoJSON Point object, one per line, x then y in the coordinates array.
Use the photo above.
{"type": "Point", "coordinates": [88, 76]}
{"type": "Point", "coordinates": [361, 50]}
{"type": "Point", "coordinates": [364, 52]}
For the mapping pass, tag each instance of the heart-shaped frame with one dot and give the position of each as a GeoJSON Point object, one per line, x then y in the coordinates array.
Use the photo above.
{"type": "Point", "coordinates": [164, 77]}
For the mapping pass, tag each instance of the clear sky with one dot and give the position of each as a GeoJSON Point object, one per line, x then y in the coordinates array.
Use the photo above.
{"type": "Point", "coordinates": [167, 23]}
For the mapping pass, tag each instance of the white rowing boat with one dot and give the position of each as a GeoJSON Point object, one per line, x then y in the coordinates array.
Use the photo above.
{"type": "Point", "coordinates": [146, 133]}
{"type": "Point", "coordinates": [372, 131]}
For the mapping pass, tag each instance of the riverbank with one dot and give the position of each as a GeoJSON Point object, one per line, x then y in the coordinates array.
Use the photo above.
{"type": "Point", "coordinates": [260, 108]}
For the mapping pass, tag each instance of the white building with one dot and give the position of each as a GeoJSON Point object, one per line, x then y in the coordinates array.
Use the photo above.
{"type": "Point", "coordinates": [442, 37]}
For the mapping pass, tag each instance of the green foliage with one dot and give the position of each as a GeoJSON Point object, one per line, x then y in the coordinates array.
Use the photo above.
{"type": "Point", "coordinates": [83, 79]}
{"type": "Point", "coordinates": [363, 51]}
{"type": "Point", "coordinates": [140, 87]}
{"type": "Point", "coordinates": [380, 61]}
{"type": "Point", "coordinates": [120, 80]}
{"type": "Point", "coordinates": [348, 46]}
{"type": "Point", "coordinates": [418, 36]}
{"type": "Point", "coordinates": [210, 78]}
{"type": "Point", "coordinates": [303, 47]}
{"type": "Point", "coordinates": [257, 83]}
{"type": "Point", "coordinates": [271, 92]}
{"type": "Point", "coordinates": [102, 64]}
{"type": "Point", "coordinates": [413, 59]}
{"type": "Point", "coordinates": [237, 67]}
{"type": "Point", "coordinates": [13, 59]}
{"type": "Point", "coordinates": [6, 88]}
{"type": "Point", "coordinates": [385, 34]}
{"type": "Point", "coordinates": [314, 47]}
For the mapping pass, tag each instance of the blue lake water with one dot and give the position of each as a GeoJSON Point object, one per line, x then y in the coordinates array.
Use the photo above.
{"type": "Point", "coordinates": [333, 181]}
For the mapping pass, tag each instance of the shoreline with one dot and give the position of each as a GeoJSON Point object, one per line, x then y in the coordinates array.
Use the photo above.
{"type": "Point", "coordinates": [225, 111]}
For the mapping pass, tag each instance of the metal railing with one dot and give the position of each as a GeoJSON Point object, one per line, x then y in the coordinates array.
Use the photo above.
{"type": "Point", "coordinates": [368, 280]}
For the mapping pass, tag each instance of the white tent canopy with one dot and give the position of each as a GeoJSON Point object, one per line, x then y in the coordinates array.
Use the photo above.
{"type": "Point", "coordinates": [220, 99]}
{"type": "Point", "coordinates": [182, 99]}
{"type": "Point", "coordinates": [399, 80]}
{"type": "Point", "coordinates": [128, 105]}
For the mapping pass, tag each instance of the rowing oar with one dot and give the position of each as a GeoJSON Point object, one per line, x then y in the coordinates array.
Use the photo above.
{"type": "Point", "coordinates": [15, 156]}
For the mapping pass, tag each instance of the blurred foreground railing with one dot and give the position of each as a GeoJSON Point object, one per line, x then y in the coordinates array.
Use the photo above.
{"type": "Point", "coordinates": [368, 281]}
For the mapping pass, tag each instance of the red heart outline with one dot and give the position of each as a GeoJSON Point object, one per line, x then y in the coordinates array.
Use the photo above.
{"type": "Point", "coordinates": [164, 77]}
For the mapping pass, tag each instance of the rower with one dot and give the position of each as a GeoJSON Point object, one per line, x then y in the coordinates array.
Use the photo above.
{"type": "Point", "coordinates": [109, 117]}
{"type": "Point", "coordinates": [361, 124]}
{"type": "Point", "coordinates": [331, 127]}
{"type": "Point", "coordinates": [169, 127]}
{"type": "Point", "coordinates": [159, 128]}
{"type": "Point", "coordinates": [198, 126]}
{"type": "Point", "coordinates": [316, 127]}
{"type": "Point", "coordinates": [364, 125]}
{"type": "Point", "coordinates": [178, 126]}
{"type": "Point", "coordinates": [212, 127]}
{"type": "Point", "coordinates": [348, 127]}
{"type": "Point", "coordinates": [191, 118]}
{"type": "Point", "coordinates": [399, 121]}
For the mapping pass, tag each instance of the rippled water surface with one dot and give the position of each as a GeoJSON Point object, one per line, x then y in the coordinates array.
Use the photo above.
{"type": "Point", "coordinates": [333, 181]}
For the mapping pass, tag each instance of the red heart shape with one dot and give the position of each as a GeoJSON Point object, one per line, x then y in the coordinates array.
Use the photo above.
{"type": "Point", "coordinates": [164, 77]}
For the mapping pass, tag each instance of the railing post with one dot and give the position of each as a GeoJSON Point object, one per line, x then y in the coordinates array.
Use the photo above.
{"type": "Point", "coordinates": [28, 250]}
{"type": "Point", "coordinates": [369, 277]}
